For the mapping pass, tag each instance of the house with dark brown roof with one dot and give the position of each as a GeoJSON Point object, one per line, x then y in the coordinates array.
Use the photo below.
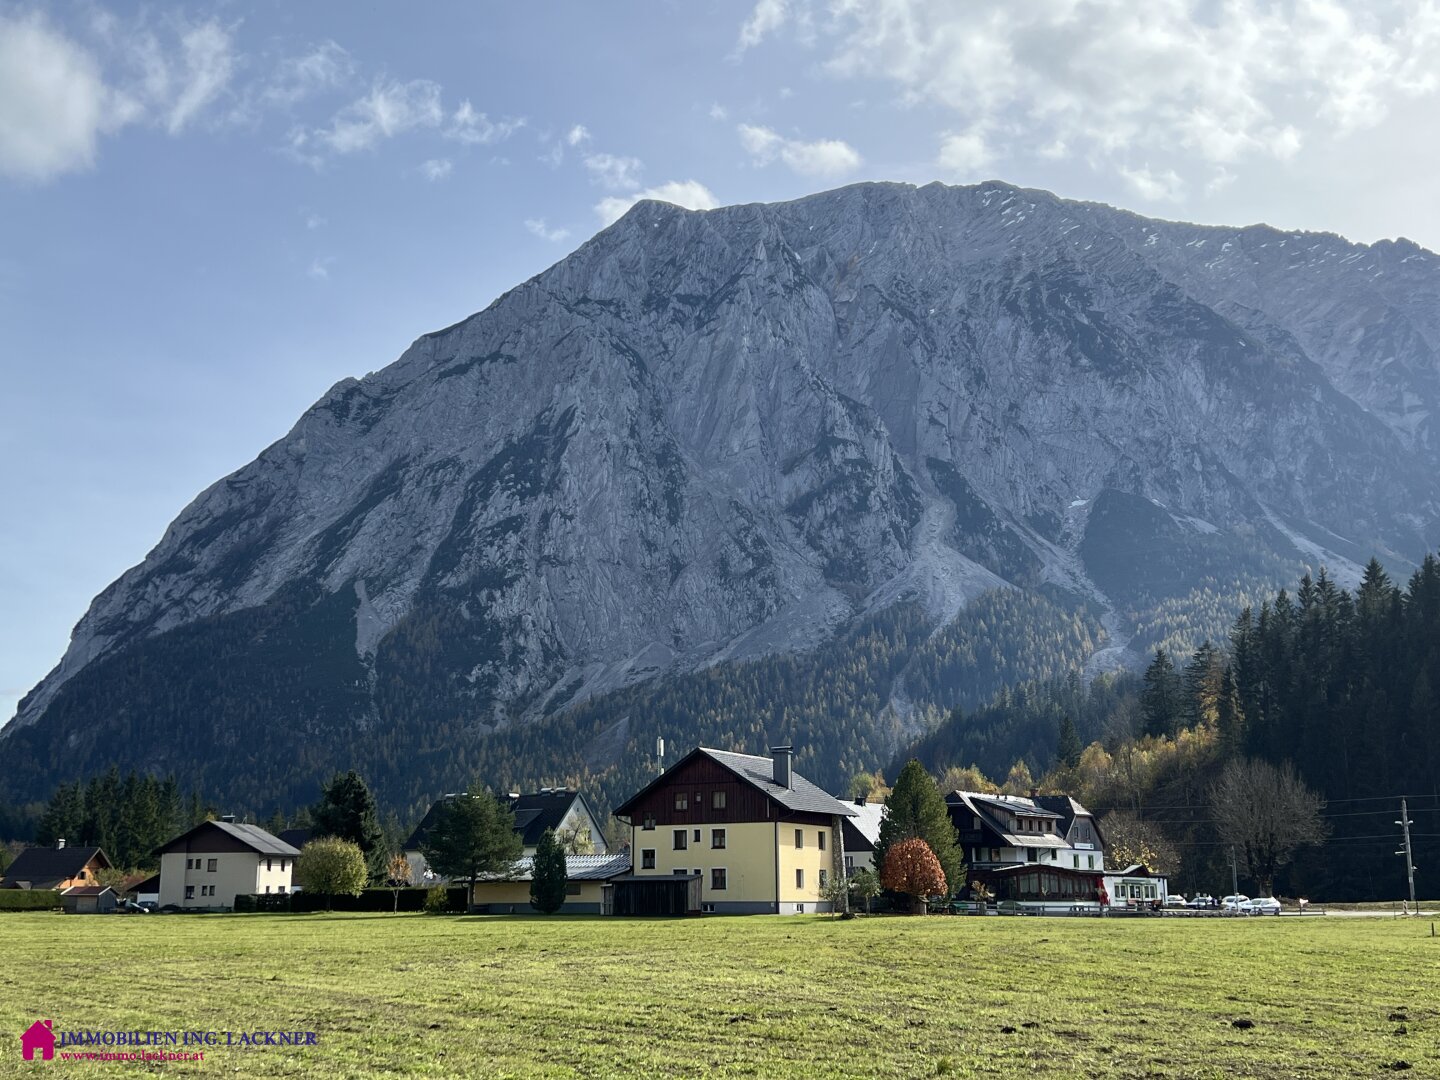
{"type": "Point", "coordinates": [58, 867]}
{"type": "Point", "coordinates": [731, 833]}
{"type": "Point", "coordinates": [562, 809]}
{"type": "Point", "coordinates": [216, 861]}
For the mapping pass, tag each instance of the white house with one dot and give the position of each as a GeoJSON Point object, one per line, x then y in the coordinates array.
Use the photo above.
{"type": "Point", "coordinates": [862, 834]}
{"type": "Point", "coordinates": [216, 861]}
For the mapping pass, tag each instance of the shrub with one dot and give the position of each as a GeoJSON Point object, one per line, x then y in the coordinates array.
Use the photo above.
{"type": "Point", "coordinates": [29, 900]}
{"type": "Point", "coordinates": [436, 900]}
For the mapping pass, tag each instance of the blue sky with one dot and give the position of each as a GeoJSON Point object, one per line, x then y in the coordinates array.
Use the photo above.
{"type": "Point", "coordinates": [211, 213]}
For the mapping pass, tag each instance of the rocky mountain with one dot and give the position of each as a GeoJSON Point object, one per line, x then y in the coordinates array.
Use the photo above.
{"type": "Point", "coordinates": [707, 442]}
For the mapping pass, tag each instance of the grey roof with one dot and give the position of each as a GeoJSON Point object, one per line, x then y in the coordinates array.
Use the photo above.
{"type": "Point", "coordinates": [252, 836]}
{"type": "Point", "coordinates": [992, 808]}
{"type": "Point", "coordinates": [800, 795]}
{"type": "Point", "coordinates": [864, 827]}
{"type": "Point", "coordinates": [42, 866]}
{"type": "Point", "coordinates": [86, 890]}
{"type": "Point", "coordinates": [577, 868]}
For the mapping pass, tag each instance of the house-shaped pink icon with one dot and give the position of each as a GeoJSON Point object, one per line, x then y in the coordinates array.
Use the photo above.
{"type": "Point", "coordinates": [38, 1037]}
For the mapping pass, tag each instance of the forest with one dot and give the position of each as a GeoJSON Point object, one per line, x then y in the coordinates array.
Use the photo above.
{"type": "Point", "coordinates": [1339, 685]}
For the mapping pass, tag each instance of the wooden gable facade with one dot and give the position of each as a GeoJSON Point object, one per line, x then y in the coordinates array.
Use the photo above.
{"type": "Point", "coordinates": [699, 791]}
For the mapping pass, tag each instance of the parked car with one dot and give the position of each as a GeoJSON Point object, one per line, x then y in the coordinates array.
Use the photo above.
{"type": "Point", "coordinates": [1200, 900]}
{"type": "Point", "coordinates": [1175, 899]}
{"type": "Point", "coordinates": [1261, 905]}
{"type": "Point", "coordinates": [133, 908]}
{"type": "Point", "coordinates": [1234, 905]}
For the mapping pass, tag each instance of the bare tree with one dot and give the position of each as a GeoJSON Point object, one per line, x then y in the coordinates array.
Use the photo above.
{"type": "Point", "coordinates": [1129, 840]}
{"type": "Point", "coordinates": [1267, 813]}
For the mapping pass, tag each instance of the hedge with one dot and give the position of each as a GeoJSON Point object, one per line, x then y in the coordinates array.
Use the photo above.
{"type": "Point", "coordinates": [369, 900]}
{"type": "Point", "coordinates": [29, 900]}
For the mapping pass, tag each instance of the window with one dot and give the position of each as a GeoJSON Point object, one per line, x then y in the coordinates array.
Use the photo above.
{"type": "Point", "coordinates": [284, 864]}
{"type": "Point", "coordinates": [1076, 860]}
{"type": "Point", "coordinates": [649, 822]}
{"type": "Point", "coordinates": [647, 858]}
{"type": "Point", "coordinates": [799, 909]}
{"type": "Point", "coordinates": [799, 877]}
{"type": "Point", "coordinates": [210, 865]}
{"type": "Point", "coordinates": [1091, 860]}
{"type": "Point", "coordinates": [823, 877]}
{"type": "Point", "coordinates": [281, 889]}
{"type": "Point", "coordinates": [189, 892]}
{"type": "Point", "coordinates": [680, 871]}
{"type": "Point", "coordinates": [267, 888]}
{"type": "Point", "coordinates": [717, 878]}
{"type": "Point", "coordinates": [681, 836]}
{"type": "Point", "coordinates": [717, 800]}
{"type": "Point", "coordinates": [572, 888]}
{"type": "Point", "coordinates": [682, 801]}
{"type": "Point", "coordinates": [269, 864]}
{"type": "Point", "coordinates": [717, 838]}
{"type": "Point", "coordinates": [696, 837]}
{"type": "Point", "coordinates": [708, 909]}
{"type": "Point", "coordinates": [994, 854]}
{"type": "Point", "coordinates": [849, 865]}
{"type": "Point", "coordinates": [799, 838]}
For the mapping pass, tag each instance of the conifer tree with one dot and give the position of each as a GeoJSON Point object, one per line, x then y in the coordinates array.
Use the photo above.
{"type": "Point", "coordinates": [1067, 750]}
{"type": "Point", "coordinates": [915, 808]}
{"type": "Point", "coordinates": [549, 877]}
{"type": "Point", "coordinates": [1160, 698]}
{"type": "Point", "coordinates": [347, 810]}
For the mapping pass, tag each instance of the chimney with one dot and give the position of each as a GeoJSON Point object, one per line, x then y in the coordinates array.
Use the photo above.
{"type": "Point", "coordinates": [229, 819]}
{"type": "Point", "coordinates": [860, 801]}
{"type": "Point", "coordinates": [782, 755]}
{"type": "Point", "coordinates": [59, 843]}
{"type": "Point", "coordinates": [1034, 793]}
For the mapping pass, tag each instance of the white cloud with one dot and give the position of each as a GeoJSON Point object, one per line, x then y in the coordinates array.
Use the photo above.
{"type": "Point", "coordinates": [293, 79]}
{"type": "Point", "coordinates": [719, 112]}
{"type": "Point", "coordinates": [437, 169]}
{"type": "Point", "coordinates": [767, 17]}
{"type": "Point", "coordinates": [690, 194]}
{"type": "Point", "coordinates": [471, 127]}
{"type": "Point", "coordinates": [538, 227]}
{"type": "Point", "coordinates": [389, 109]}
{"type": "Point", "coordinates": [616, 173]}
{"type": "Point", "coordinates": [54, 104]}
{"type": "Point", "coordinates": [1186, 85]}
{"type": "Point", "coordinates": [965, 154]}
{"type": "Point", "coordinates": [823, 157]}
{"type": "Point", "coordinates": [208, 66]}
{"type": "Point", "coordinates": [577, 134]}
{"type": "Point", "coordinates": [1155, 185]}
{"type": "Point", "coordinates": [314, 221]}
{"type": "Point", "coordinates": [57, 98]}
{"type": "Point", "coordinates": [320, 268]}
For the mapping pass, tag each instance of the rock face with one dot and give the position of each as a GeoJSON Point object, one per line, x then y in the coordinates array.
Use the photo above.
{"type": "Point", "coordinates": [706, 436]}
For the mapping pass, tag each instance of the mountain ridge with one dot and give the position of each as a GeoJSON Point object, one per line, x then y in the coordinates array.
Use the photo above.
{"type": "Point", "coordinates": [710, 436]}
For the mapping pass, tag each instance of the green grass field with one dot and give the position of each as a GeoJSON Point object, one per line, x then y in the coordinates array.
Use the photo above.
{"type": "Point", "coordinates": [762, 996]}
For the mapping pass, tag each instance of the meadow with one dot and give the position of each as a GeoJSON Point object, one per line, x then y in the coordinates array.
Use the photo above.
{"type": "Point", "coordinates": [459, 996]}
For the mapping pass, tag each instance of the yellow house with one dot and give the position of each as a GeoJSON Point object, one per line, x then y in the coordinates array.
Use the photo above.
{"type": "Point", "coordinates": [588, 878]}
{"type": "Point", "coordinates": [731, 833]}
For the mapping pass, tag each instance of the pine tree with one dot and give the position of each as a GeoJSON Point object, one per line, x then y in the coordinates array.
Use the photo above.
{"type": "Point", "coordinates": [347, 810]}
{"type": "Point", "coordinates": [549, 876]}
{"type": "Point", "coordinates": [473, 834]}
{"type": "Point", "coordinates": [1160, 698]}
{"type": "Point", "coordinates": [1067, 750]}
{"type": "Point", "coordinates": [915, 808]}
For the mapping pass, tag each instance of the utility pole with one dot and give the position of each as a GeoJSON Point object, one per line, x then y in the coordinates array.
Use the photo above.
{"type": "Point", "coordinates": [1234, 875]}
{"type": "Point", "coordinates": [1409, 854]}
